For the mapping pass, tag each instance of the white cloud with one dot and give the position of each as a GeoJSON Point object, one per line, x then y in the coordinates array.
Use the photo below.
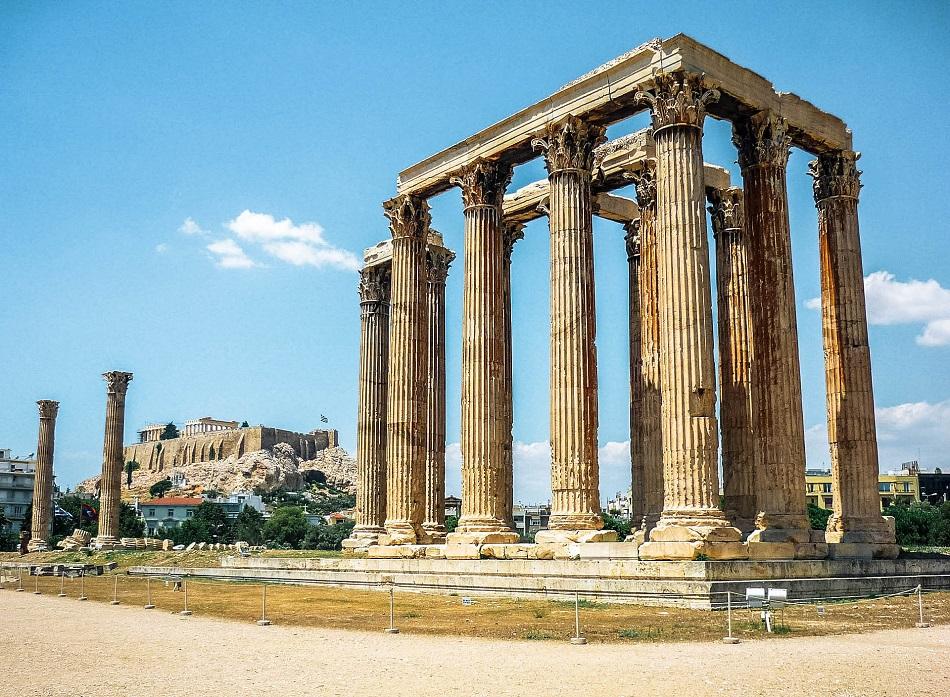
{"type": "Point", "coordinates": [301, 254]}
{"type": "Point", "coordinates": [261, 227]}
{"type": "Point", "coordinates": [161, 248]}
{"type": "Point", "coordinates": [229, 255]}
{"type": "Point", "coordinates": [190, 227]}
{"type": "Point", "coordinates": [891, 302]}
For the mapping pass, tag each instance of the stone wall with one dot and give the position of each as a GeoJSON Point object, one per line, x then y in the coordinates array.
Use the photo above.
{"type": "Point", "coordinates": [157, 456]}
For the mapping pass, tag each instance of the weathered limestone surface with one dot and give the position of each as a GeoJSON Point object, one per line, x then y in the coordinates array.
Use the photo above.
{"type": "Point", "coordinates": [513, 232]}
{"type": "Point", "coordinates": [637, 489]}
{"type": "Point", "coordinates": [438, 261]}
{"type": "Point", "coordinates": [687, 369]}
{"type": "Point", "coordinates": [485, 421]}
{"type": "Point", "coordinates": [374, 292]}
{"type": "Point", "coordinates": [42, 522]}
{"type": "Point", "coordinates": [735, 355]}
{"type": "Point", "coordinates": [852, 432]}
{"type": "Point", "coordinates": [648, 445]}
{"type": "Point", "coordinates": [407, 379]}
{"type": "Point", "coordinates": [112, 462]}
{"type": "Point", "coordinates": [763, 143]}
{"type": "Point", "coordinates": [568, 147]}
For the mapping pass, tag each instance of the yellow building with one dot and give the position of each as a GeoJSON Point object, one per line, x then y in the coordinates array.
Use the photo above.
{"type": "Point", "coordinates": [893, 489]}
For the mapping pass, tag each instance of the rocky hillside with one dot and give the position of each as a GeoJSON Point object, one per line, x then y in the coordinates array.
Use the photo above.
{"type": "Point", "coordinates": [263, 471]}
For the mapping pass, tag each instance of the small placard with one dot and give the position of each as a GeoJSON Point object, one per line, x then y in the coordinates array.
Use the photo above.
{"type": "Point", "coordinates": [821, 609]}
{"type": "Point", "coordinates": [467, 601]}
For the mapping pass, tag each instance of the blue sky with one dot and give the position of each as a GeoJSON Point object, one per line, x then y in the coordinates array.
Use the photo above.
{"type": "Point", "coordinates": [187, 186]}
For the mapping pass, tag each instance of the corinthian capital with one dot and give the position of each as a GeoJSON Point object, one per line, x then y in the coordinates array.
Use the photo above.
{"type": "Point", "coordinates": [512, 231]}
{"type": "Point", "coordinates": [725, 207]}
{"type": "Point", "coordinates": [408, 216]}
{"type": "Point", "coordinates": [438, 261]}
{"type": "Point", "coordinates": [644, 180]}
{"type": "Point", "coordinates": [48, 408]}
{"type": "Point", "coordinates": [569, 144]}
{"type": "Point", "coordinates": [483, 182]}
{"type": "Point", "coordinates": [836, 174]}
{"type": "Point", "coordinates": [374, 284]}
{"type": "Point", "coordinates": [632, 239]}
{"type": "Point", "coordinates": [117, 381]}
{"type": "Point", "coordinates": [677, 99]}
{"type": "Point", "coordinates": [762, 139]}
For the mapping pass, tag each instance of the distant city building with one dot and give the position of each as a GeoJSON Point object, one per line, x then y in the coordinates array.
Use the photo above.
{"type": "Point", "coordinates": [236, 502]}
{"type": "Point", "coordinates": [529, 518]}
{"type": "Point", "coordinates": [453, 506]}
{"type": "Point", "coordinates": [16, 488]}
{"type": "Point", "coordinates": [207, 425]}
{"type": "Point", "coordinates": [621, 504]}
{"type": "Point", "coordinates": [894, 489]}
{"type": "Point", "coordinates": [171, 511]}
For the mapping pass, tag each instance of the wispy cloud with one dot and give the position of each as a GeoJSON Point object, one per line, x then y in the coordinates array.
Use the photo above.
{"type": "Point", "coordinates": [228, 254]}
{"type": "Point", "coordinates": [190, 227]}
{"type": "Point", "coordinates": [161, 248]}
{"type": "Point", "coordinates": [892, 302]}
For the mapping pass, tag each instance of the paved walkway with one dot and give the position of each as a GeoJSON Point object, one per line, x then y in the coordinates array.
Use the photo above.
{"type": "Point", "coordinates": [57, 646]}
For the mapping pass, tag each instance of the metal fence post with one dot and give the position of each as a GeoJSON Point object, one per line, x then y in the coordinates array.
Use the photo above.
{"type": "Point", "coordinates": [729, 639]}
{"type": "Point", "coordinates": [263, 621]}
{"type": "Point", "coordinates": [391, 629]}
{"type": "Point", "coordinates": [19, 580]}
{"type": "Point", "coordinates": [115, 590]}
{"type": "Point", "coordinates": [186, 611]}
{"type": "Point", "coordinates": [82, 585]}
{"type": "Point", "coordinates": [36, 584]}
{"type": "Point", "coordinates": [920, 624]}
{"type": "Point", "coordinates": [62, 582]}
{"type": "Point", "coordinates": [577, 639]}
{"type": "Point", "coordinates": [148, 592]}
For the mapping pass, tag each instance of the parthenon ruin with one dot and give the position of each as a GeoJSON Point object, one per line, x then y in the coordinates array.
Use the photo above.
{"type": "Point", "coordinates": [678, 432]}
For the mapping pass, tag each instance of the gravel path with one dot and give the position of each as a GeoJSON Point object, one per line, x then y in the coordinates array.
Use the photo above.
{"type": "Point", "coordinates": [57, 646]}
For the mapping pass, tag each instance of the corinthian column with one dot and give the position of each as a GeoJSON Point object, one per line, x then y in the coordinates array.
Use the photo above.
{"type": "Point", "coordinates": [513, 231]}
{"type": "Point", "coordinates": [371, 414]}
{"type": "Point", "coordinates": [691, 522]}
{"type": "Point", "coordinates": [647, 447]}
{"type": "Point", "coordinates": [407, 404]}
{"type": "Point", "coordinates": [43, 481]}
{"type": "Point", "coordinates": [110, 483]}
{"type": "Point", "coordinates": [852, 432]}
{"type": "Point", "coordinates": [484, 413]}
{"type": "Point", "coordinates": [568, 147]}
{"type": "Point", "coordinates": [637, 490]}
{"type": "Point", "coordinates": [763, 145]}
{"type": "Point", "coordinates": [735, 353]}
{"type": "Point", "coordinates": [438, 261]}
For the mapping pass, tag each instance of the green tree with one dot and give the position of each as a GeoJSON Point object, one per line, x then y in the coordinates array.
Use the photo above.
{"type": "Point", "coordinates": [211, 454]}
{"type": "Point", "coordinates": [286, 527]}
{"type": "Point", "coordinates": [4, 521]}
{"type": "Point", "coordinates": [245, 424]}
{"type": "Point", "coordinates": [621, 525]}
{"type": "Point", "coordinates": [130, 524]}
{"type": "Point", "coordinates": [249, 526]}
{"type": "Point", "coordinates": [216, 519]}
{"type": "Point", "coordinates": [818, 517]}
{"type": "Point", "coordinates": [170, 431]}
{"type": "Point", "coordinates": [160, 488]}
{"type": "Point", "coordinates": [451, 522]}
{"type": "Point", "coordinates": [130, 467]}
{"type": "Point", "coordinates": [328, 537]}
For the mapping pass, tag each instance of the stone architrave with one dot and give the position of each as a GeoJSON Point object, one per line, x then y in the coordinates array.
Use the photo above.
{"type": "Point", "coordinates": [568, 147]}
{"type": "Point", "coordinates": [513, 231]}
{"type": "Point", "coordinates": [691, 520]}
{"type": "Point", "coordinates": [110, 483]}
{"type": "Point", "coordinates": [42, 522]}
{"type": "Point", "coordinates": [735, 355]}
{"type": "Point", "coordinates": [371, 418]}
{"type": "Point", "coordinates": [484, 419]}
{"type": "Point", "coordinates": [438, 261]}
{"type": "Point", "coordinates": [408, 357]}
{"type": "Point", "coordinates": [852, 432]}
{"type": "Point", "coordinates": [637, 489]}
{"type": "Point", "coordinates": [648, 445]}
{"type": "Point", "coordinates": [763, 144]}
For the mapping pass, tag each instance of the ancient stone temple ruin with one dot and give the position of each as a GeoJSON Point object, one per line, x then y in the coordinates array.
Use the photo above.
{"type": "Point", "coordinates": [686, 407]}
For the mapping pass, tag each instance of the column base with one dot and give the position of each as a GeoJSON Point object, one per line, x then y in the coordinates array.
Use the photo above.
{"type": "Point", "coordinates": [781, 527]}
{"type": "Point", "coordinates": [857, 550]}
{"type": "Point", "coordinates": [696, 525]}
{"type": "Point", "coordinates": [362, 538]}
{"type": "Point", "coordinates": [693, 550]}
{"type": "Point", "coordinates": [482, 537]}
{"type": "Point", "coordinates": [436, 532]}
{"type": "Point", "coordinates": [873, 530]}
{"type": "Point", "coordinates": [37, 546]}
{"type": "Point", "coordinates": [559, 536]}
{"type": "Point", "coordinates": [104, 542]}
{"type": "Point", "coordinates": [403, 534]}
{"type": "Point", "coordinates": [575, 521]}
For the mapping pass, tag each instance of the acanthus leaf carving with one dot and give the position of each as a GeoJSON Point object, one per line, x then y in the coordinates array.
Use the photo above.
{"type": "Point", "coordinates": [483, 182]}
{"type": "Point", "coordinates": [512, 231]}
{"type": "Point", "coordinates": [438, 261]}
{"type": "Point", "coordinates": [725, 208]}
{"type": "Point", "coordinates": [408, 216]}
{"type": "Point", "coordinates": [762, 139]}
{"type": "Point", "coordinates": [631, 239]}
{"type": "Point", "coordinates": [117, 381]}
{"type": "Point", "coordinates": [48, 408]}
{"type": "Point", "coordinates": [836, 174]}
{"type": "Point", "coordinates": [374, 284]}
{"type": "Point", "coordinates": [644, 181]}
{"type": "Point", "coordinates": [570, 144]}
{"type": "Point", "coordinates": [677, 99]}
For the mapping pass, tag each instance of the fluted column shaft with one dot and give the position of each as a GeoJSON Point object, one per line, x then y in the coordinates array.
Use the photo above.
{"type": "Point", "coordinates": [637, 488]}
{"type": "Point", "coordinates": [437, 268]}
{"type": "Point", "coordinates": [484, 411]}
{"type": "Point", "coordinates": [763, 146]}
{"type": "Point", "coordinates": [408, 375]}
{"type": "Point", "coordinates": [513, 231]}
{"type": "Point", "coordinates": [110, 483]}
{"type": "Point", "coordinates": [735, 355]}
{"type": "Point", "coordinates": [42, 522]}
{"type": "Point", "coordinates": [687, 370]}
{"type": "Point", "coordinates": [371, 423]}
{"type": "Point", "coordinates": [852, 432]}
{"type": "Point", "coordinates": [575, 476]}
{"type": "Point", "coordinates": [649, 441]}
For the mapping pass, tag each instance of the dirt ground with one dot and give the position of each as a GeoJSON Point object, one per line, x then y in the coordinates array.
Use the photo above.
{"type": "Point", "coordinates": [54, 646]}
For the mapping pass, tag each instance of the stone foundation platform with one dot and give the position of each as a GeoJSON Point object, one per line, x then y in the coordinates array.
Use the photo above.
{"type": "Point", "coordinates": [697, 584]}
